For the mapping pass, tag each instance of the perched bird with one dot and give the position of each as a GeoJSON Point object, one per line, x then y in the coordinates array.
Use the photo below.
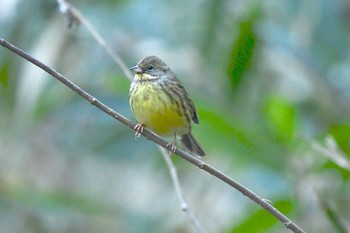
{"type": "Point", "coordinates": [161, 104]}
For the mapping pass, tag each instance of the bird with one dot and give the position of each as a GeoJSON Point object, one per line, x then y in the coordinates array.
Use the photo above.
{"type": "Point", "coordinates": [160, 103]}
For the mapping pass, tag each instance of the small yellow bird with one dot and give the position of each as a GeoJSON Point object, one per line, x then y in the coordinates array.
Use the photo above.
{"type": "Point", "coordinates": [161, 104]}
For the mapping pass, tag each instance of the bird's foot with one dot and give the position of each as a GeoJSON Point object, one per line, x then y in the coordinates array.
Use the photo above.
{"type": "Point", "coordinates": [139, 130]}
{"type": "Point", "coordinates": [172, 146]}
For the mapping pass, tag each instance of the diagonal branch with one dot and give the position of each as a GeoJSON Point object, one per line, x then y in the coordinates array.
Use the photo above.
{"type": "Point", "coordinates": [75, 17]}
{"type": "Point", "coordinates": [156, 139]}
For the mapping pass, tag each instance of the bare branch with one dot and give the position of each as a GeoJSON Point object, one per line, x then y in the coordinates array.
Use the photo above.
{"type": "Point", "coordinates": [153, 137]}
{"type": "Point", "coordinates": [332, 151]}
{"type": "Point", "coordinates": [179, 193]}
{"type": "Point", "coordinates": [74, 16]}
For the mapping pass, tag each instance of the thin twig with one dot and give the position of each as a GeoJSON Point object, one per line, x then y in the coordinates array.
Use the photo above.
{"type": "Point", "coordinates": [179, 193]}
{"type": "Point", "coordinates": [331, 151]}
{"type": "Point", "coordinates": [156, 139]}
{"type": "Point", "coordinates": [75, 16]}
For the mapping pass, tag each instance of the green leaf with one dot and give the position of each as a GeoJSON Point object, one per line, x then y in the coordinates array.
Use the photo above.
{"type": "Point", "coordinates": [342, 171]}
{"type": "Point", "coordinates": [333, 217]}
{"type": "Point", "coordinates": [4, 76]}
{"type": "Point", "coordinates": [242, 53]}
{"type": "Point", "coordinates": [224, 127]}
{"type": "Point", "coordinates": [341, 134]}
{"type": "Point", "coordinates": [282, 117]}
{"type": "Point", "coordinates": [261, 220]}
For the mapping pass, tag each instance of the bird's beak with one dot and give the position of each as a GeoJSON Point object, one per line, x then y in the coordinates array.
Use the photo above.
{"type": "Point", "coordinates": [136, 69]}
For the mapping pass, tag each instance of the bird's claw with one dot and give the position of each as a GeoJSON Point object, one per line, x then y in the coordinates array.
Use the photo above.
{"type": "Point", "coordinates": [172, 146]}
{"type": "Point", "coordinates": [139, 130]}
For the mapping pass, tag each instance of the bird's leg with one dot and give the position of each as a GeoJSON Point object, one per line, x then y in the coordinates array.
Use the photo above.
{"type": "Point", "coordinates": [172, 146]}
{"type": "Point", "coordinates": [139, 130]}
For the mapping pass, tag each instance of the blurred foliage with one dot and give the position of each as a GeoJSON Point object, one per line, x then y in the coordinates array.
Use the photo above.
{"type": "Point", "coordinates": [332, 215]}
{"type": "Point", "coordinates": [4, 76]}
{"type": "Point", "coordinates": [242, 53]}
{"type": "Point", "coordinates": [341, 133]}
{"type": "Point", "coordinates": [271, 83]}
{"type": "Point", "coordinates": [282, 117]}
{"type": "Point", "coordinates": [259, 222]}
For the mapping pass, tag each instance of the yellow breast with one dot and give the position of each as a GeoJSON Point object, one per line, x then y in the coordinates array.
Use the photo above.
{"type": "Point", "coordinates": [154, 109]}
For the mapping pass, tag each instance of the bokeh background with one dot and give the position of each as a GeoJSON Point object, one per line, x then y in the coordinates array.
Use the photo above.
{"type": "Point", "coordinates": [271, 82]}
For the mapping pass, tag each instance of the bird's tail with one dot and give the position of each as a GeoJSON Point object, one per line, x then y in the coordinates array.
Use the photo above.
{"type": "Point", "coordinates": [191, 144]}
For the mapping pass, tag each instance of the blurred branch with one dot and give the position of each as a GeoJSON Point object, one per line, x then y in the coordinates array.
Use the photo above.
{"type": "Point", "coordinates": [156, 139]}
{"type": "Point", "coordinates": [179, 193]}
{"type": "Point", "coordinates": [332, 152]}
{"type": "Point", "coordinates": [74, 16]}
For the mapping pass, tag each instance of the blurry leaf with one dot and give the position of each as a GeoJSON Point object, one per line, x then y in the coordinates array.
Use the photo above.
{"type": "Point", "coordinates": [332, 165]}
{"type": "Point", "coordinates": [242, 53]}
{"type": "Point", "coordinates": [261, 220]}
{"type": "Point", "coordinates": [337, 159]}
{"type": "Point", "coordinates": [224, 127]}
{"type": "Point", "coordinates": [333, 217]}
{"type": "Point", "coordinates": [4, 76]}
{"type": "Point", "coordinates": [282, 116]}
{"type": "Point", "coordinates": [341, 134]}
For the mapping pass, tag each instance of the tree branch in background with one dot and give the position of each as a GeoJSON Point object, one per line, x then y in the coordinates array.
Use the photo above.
{"type": "Point", "coordinates": [331, 150]}
{"type": "Point", "coordinates": [73, 16]}
{"type": "Point", "coordinates": [180, 196]}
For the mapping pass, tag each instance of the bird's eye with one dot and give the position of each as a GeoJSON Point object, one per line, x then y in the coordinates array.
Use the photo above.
{"type": "Point", "coordinates": [150, 67]}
